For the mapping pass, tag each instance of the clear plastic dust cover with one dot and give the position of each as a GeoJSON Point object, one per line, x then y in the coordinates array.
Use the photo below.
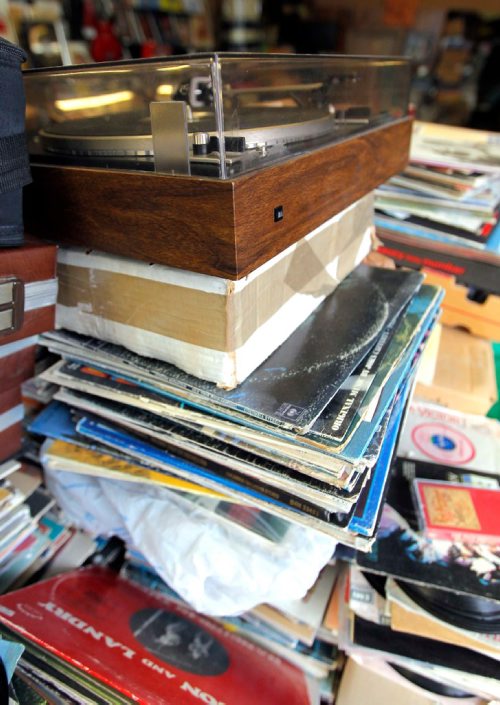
{"type": "Point", "coordinates": [214, 115]}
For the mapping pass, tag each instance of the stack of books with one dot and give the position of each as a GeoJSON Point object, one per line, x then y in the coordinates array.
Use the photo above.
{"type": "Point", "coordinates": [29, 534]}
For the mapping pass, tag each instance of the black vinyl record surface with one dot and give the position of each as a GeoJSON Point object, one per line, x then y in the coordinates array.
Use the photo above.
{"type": "Point", "coordinates": [469, 612]}
{"type": "Point", "coordinates": [383, 639]}
{"type": "Point", "coordinates": [376, 581]}
{"type": "Point", "coordinates": [428, 684]}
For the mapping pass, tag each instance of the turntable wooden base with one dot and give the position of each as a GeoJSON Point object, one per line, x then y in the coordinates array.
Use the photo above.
{"type": "Point", "coordinates": [225, 228]}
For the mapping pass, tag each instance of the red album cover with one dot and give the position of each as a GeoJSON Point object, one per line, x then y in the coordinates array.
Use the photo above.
{"type": "Point", "coordinates": [34, 262]}
{"type": "Point", "coordinates": [146, 646]}
{"type": "Point", "coordinates": [458, 512]}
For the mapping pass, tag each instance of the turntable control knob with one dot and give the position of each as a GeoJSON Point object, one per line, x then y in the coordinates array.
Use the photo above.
{"type": "Point", "coordinates": [200, 143]}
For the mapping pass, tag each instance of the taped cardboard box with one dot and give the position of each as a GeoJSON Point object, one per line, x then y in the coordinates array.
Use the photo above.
{"type": "Point", "coordinates": [213, 328]}
{"type": "Point", "coordinates": [479, 317]}
{"type": "Point", "coordinates": [464, 375]}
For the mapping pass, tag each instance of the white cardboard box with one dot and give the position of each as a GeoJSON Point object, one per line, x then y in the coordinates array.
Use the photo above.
{"type": "Point", "coordinates": [213, 328]}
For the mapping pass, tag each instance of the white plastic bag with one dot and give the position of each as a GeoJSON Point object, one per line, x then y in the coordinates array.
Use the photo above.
{"type": "Point", "coordinates": [217, 567]}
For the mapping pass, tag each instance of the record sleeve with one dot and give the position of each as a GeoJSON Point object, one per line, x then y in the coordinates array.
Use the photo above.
{"type": "Point", "coordinates": [407, 555]}
{"type": "Point", "coordinates": [458, 512]}
{"type": "Point", "coordinates": [144, 645]}
{"type": "Point", "coordinates": [450, 438]}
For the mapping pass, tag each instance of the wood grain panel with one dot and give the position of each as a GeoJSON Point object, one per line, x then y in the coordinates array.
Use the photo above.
{"type": "Point", "coordinates": [35, 261]}
{"type": "Point", "coordinates": [10, 441]}
{"type": "Point", "coordinates": [185, 222]}
{"type": "Point", "coordinates": [16, 368]}
{"type": "Point", "coordinates": [9, 398]}
{"type": "Point", "coordinates": [312, 189]}
{"type": "Point", "coordinates": [223, 228]}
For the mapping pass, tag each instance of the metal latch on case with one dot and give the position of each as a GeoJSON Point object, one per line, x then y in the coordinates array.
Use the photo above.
{"type": "Point", "coordinates": [11, 305]}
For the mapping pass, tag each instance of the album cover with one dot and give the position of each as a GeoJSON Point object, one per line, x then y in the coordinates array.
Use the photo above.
{"type": "Point", "coordinates": [472, 267]}
{"type": "Point", "coordinates": [146, 646]}
{"type": "Point", "coordinates": [355, 446]}
{"type": "Point", "coordinates": [349, 405]}
{"type": "Point", "coordinates": [403, 553]}
{"type": "Point", "coordinates": [458, 512]}
{"type": "Point", "coordinates": [406, 470]}
{"type": "Point", "coordinates": [455, 147]}
{"type": "Point", "coordinates": [451, 438]}
{"type": "Point", "coordinates": [386, 640]}
{"type": "Point", "coordinates": [403, 222]}
{"type": "Point", "coordinates": [369, 506]}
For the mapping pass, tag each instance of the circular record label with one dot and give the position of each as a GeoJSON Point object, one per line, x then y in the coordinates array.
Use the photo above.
{"type": "Point", "coordinates": [443, 444]}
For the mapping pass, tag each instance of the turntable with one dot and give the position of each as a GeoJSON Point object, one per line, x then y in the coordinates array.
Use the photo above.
{"type": "Point", "coordinates": [212, 163]}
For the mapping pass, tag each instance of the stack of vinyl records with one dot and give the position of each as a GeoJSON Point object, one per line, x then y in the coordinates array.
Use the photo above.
{"type": "Point", "coordinates": [307, 437]}
{"type": "Point", "coordinates": [30, 533]}
{"type": "Point", "coordinates": [92, 636]}
{"type": "Point", "coordinates": [297, 631]}
{"type": "Point", "coordinates": [442, 212]}
{"type": "Point", "coordinates": [426, 600]}
{"type": "Point", "coordinates": [294, 636]}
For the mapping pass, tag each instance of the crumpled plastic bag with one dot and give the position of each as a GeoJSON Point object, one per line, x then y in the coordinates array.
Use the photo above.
{"type": "Point", "coordinates": [217, 567]}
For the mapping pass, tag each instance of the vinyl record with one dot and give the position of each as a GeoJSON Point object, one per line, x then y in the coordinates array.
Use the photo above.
{"type": "Point", "coordinates": [376, 581]}
{"type": "Point", "coordinates": [428, 684]}
{"type": "Point", "coordinates": [464, 611]}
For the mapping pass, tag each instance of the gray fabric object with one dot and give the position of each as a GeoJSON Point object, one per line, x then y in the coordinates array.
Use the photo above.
{"type": "Point", "coordinates": [14, 162]}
